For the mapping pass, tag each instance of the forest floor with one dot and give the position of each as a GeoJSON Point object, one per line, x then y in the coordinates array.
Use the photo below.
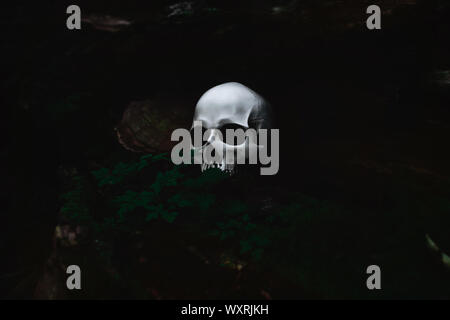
{"type": "Point", "coordinates": [364, 126]}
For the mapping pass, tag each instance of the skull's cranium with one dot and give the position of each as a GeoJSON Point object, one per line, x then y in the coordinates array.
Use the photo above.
{"type": "Point", "coordinates": [230, 106]}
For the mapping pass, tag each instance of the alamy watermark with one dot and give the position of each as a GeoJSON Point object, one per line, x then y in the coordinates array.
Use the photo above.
{"type": "Point", "coordinates": [207, 147]}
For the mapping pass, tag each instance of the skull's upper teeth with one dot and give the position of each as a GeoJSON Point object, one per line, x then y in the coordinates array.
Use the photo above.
{"type": "Point", "coordinates": [222, 166]}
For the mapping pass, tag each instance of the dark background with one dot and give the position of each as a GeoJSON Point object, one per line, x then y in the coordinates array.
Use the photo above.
{"type": "Point", "coordinates": [342, 94]}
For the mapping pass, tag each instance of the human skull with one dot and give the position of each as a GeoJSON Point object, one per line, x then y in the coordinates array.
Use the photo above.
{"type": "Point", "coordinates": [230, 106]}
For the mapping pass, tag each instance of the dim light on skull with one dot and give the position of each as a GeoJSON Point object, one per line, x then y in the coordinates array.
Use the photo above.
{"type": "Point", "coordinates": [241, 116]}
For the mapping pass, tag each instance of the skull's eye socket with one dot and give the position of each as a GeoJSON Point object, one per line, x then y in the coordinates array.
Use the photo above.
{"type": "Point", "coordinates": [197, 134]}
{"type": "Point", "coordinates": [235, 135]}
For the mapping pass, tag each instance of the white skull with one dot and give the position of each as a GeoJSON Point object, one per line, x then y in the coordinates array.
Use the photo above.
{"type": "Point", "coordinates": [230, 106]}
